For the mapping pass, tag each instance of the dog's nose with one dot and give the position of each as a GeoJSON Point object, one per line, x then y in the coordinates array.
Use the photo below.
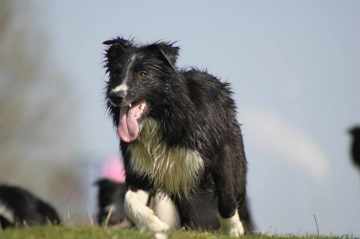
{"type": "Point", "coordinates": [116, 97]}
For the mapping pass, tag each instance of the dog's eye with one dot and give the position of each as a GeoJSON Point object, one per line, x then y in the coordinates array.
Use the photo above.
{"type": "Point", "coordinates": [142, 75]}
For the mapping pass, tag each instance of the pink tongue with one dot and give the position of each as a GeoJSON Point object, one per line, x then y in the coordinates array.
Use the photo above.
{"type": "Point", "coordinates": [128, 129]}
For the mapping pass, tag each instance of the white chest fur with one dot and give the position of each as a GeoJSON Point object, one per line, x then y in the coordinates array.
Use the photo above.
{"type": "Point", "coordinates": [174, 170]}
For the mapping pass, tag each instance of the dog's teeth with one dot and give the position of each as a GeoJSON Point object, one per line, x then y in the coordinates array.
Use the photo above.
{"type": "Point", "coordinates": [130, 105]}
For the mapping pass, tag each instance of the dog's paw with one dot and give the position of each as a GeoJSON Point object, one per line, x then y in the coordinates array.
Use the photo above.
{"type": "Point", "coordinates": [143, 217]}
{"type": "Point", "coordinates": [156, 225]}
{"type": "Point", "coordinates": [235, 231]}
{"type": "Point", "coordinates": [232, 226]}
{"type": "Point", "coordinates": [148, 221]}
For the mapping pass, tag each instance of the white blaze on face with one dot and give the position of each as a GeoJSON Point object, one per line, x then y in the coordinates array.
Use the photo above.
{"type": "Point", "coordinates": [122, 87]}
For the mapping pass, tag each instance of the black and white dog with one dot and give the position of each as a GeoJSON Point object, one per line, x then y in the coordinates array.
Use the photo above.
{"type": "Point", "coordinates": [110, 199]}
{"type": "Point", "coordinates": [18, 207]}
{"type": "Point", "coordinates": [179, 134]}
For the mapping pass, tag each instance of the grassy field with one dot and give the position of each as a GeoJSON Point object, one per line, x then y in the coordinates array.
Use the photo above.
{"type": "Point", "coordinates": [97, 232]}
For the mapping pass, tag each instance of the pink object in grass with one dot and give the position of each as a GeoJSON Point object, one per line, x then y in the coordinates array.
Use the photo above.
{"type": "Point", "coordinates": [113, 169]}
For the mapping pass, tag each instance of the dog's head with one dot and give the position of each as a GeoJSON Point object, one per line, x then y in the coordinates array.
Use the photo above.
{"type": "Point", "coordinates": [138, 75]}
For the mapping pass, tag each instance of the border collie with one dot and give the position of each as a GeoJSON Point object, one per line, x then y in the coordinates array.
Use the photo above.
{"type": "Point", "coordinates": [178, 134]}
{"type": "Point", "coordinates": [18, 206]}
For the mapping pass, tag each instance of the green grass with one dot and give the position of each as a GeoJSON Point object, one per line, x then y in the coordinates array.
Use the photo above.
{"type": "Point", "coordinates": [97, 232]}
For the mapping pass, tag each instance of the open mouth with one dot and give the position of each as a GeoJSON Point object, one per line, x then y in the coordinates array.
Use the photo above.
{"type": "Point", "coordinates": [130, 118]}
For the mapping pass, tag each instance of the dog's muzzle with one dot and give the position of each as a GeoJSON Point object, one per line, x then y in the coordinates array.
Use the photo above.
{"type": "Point", "coordinates": [117, 97]}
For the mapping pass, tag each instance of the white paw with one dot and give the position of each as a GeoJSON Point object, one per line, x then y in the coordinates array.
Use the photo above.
{"type": "Point", "coordinates": [166, 211]}
{"type": "Point", "coordinates": [232, 226]}
{"type": "Point", "coordinates": [154, 224]}
{"type": "Point", "coordinates": [143, 217]}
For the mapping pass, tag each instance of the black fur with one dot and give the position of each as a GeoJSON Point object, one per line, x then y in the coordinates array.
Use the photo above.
{"type": "Point", "coordinates": [26, 208]}
{"type": "Point", "coordinates": [194, 109]}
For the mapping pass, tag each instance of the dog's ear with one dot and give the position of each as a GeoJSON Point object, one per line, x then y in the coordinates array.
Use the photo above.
{"type": "Point", "coordinates": [168, 52]}
{"type": "Point", "coordinates": [121, 42]}
{"type": "Point", "coordinates": [117, 47]}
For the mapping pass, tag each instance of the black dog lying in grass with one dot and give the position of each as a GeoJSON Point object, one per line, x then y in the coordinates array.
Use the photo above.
{"type": "Point", "coordinates": [19, 207]}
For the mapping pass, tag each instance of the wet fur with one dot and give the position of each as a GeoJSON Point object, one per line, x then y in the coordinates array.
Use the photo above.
{"type": "Point", "coordinates": [151, 157]}
{"type": "Point", "coordinates": [194, 112]}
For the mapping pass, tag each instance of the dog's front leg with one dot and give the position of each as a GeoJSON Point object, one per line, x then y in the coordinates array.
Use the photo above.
{"type": "Point", "coordinates": [143, 217]}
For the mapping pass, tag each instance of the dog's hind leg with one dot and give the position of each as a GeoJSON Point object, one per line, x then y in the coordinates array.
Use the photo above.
{"type": "Point", "coordinates": [227, 206]}
{"type": "Point", "coordinates": [245, 216]}
{"type": "Point", "coordinates": [166, 210]}
{"type": "Point", "coordinates": [187, 213]}
{"type": "Point", "coordinates": [143, 217]}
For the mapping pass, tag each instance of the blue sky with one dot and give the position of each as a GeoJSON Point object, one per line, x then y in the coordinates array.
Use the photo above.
{"type": "Point", "coordinates": [294, 69]}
